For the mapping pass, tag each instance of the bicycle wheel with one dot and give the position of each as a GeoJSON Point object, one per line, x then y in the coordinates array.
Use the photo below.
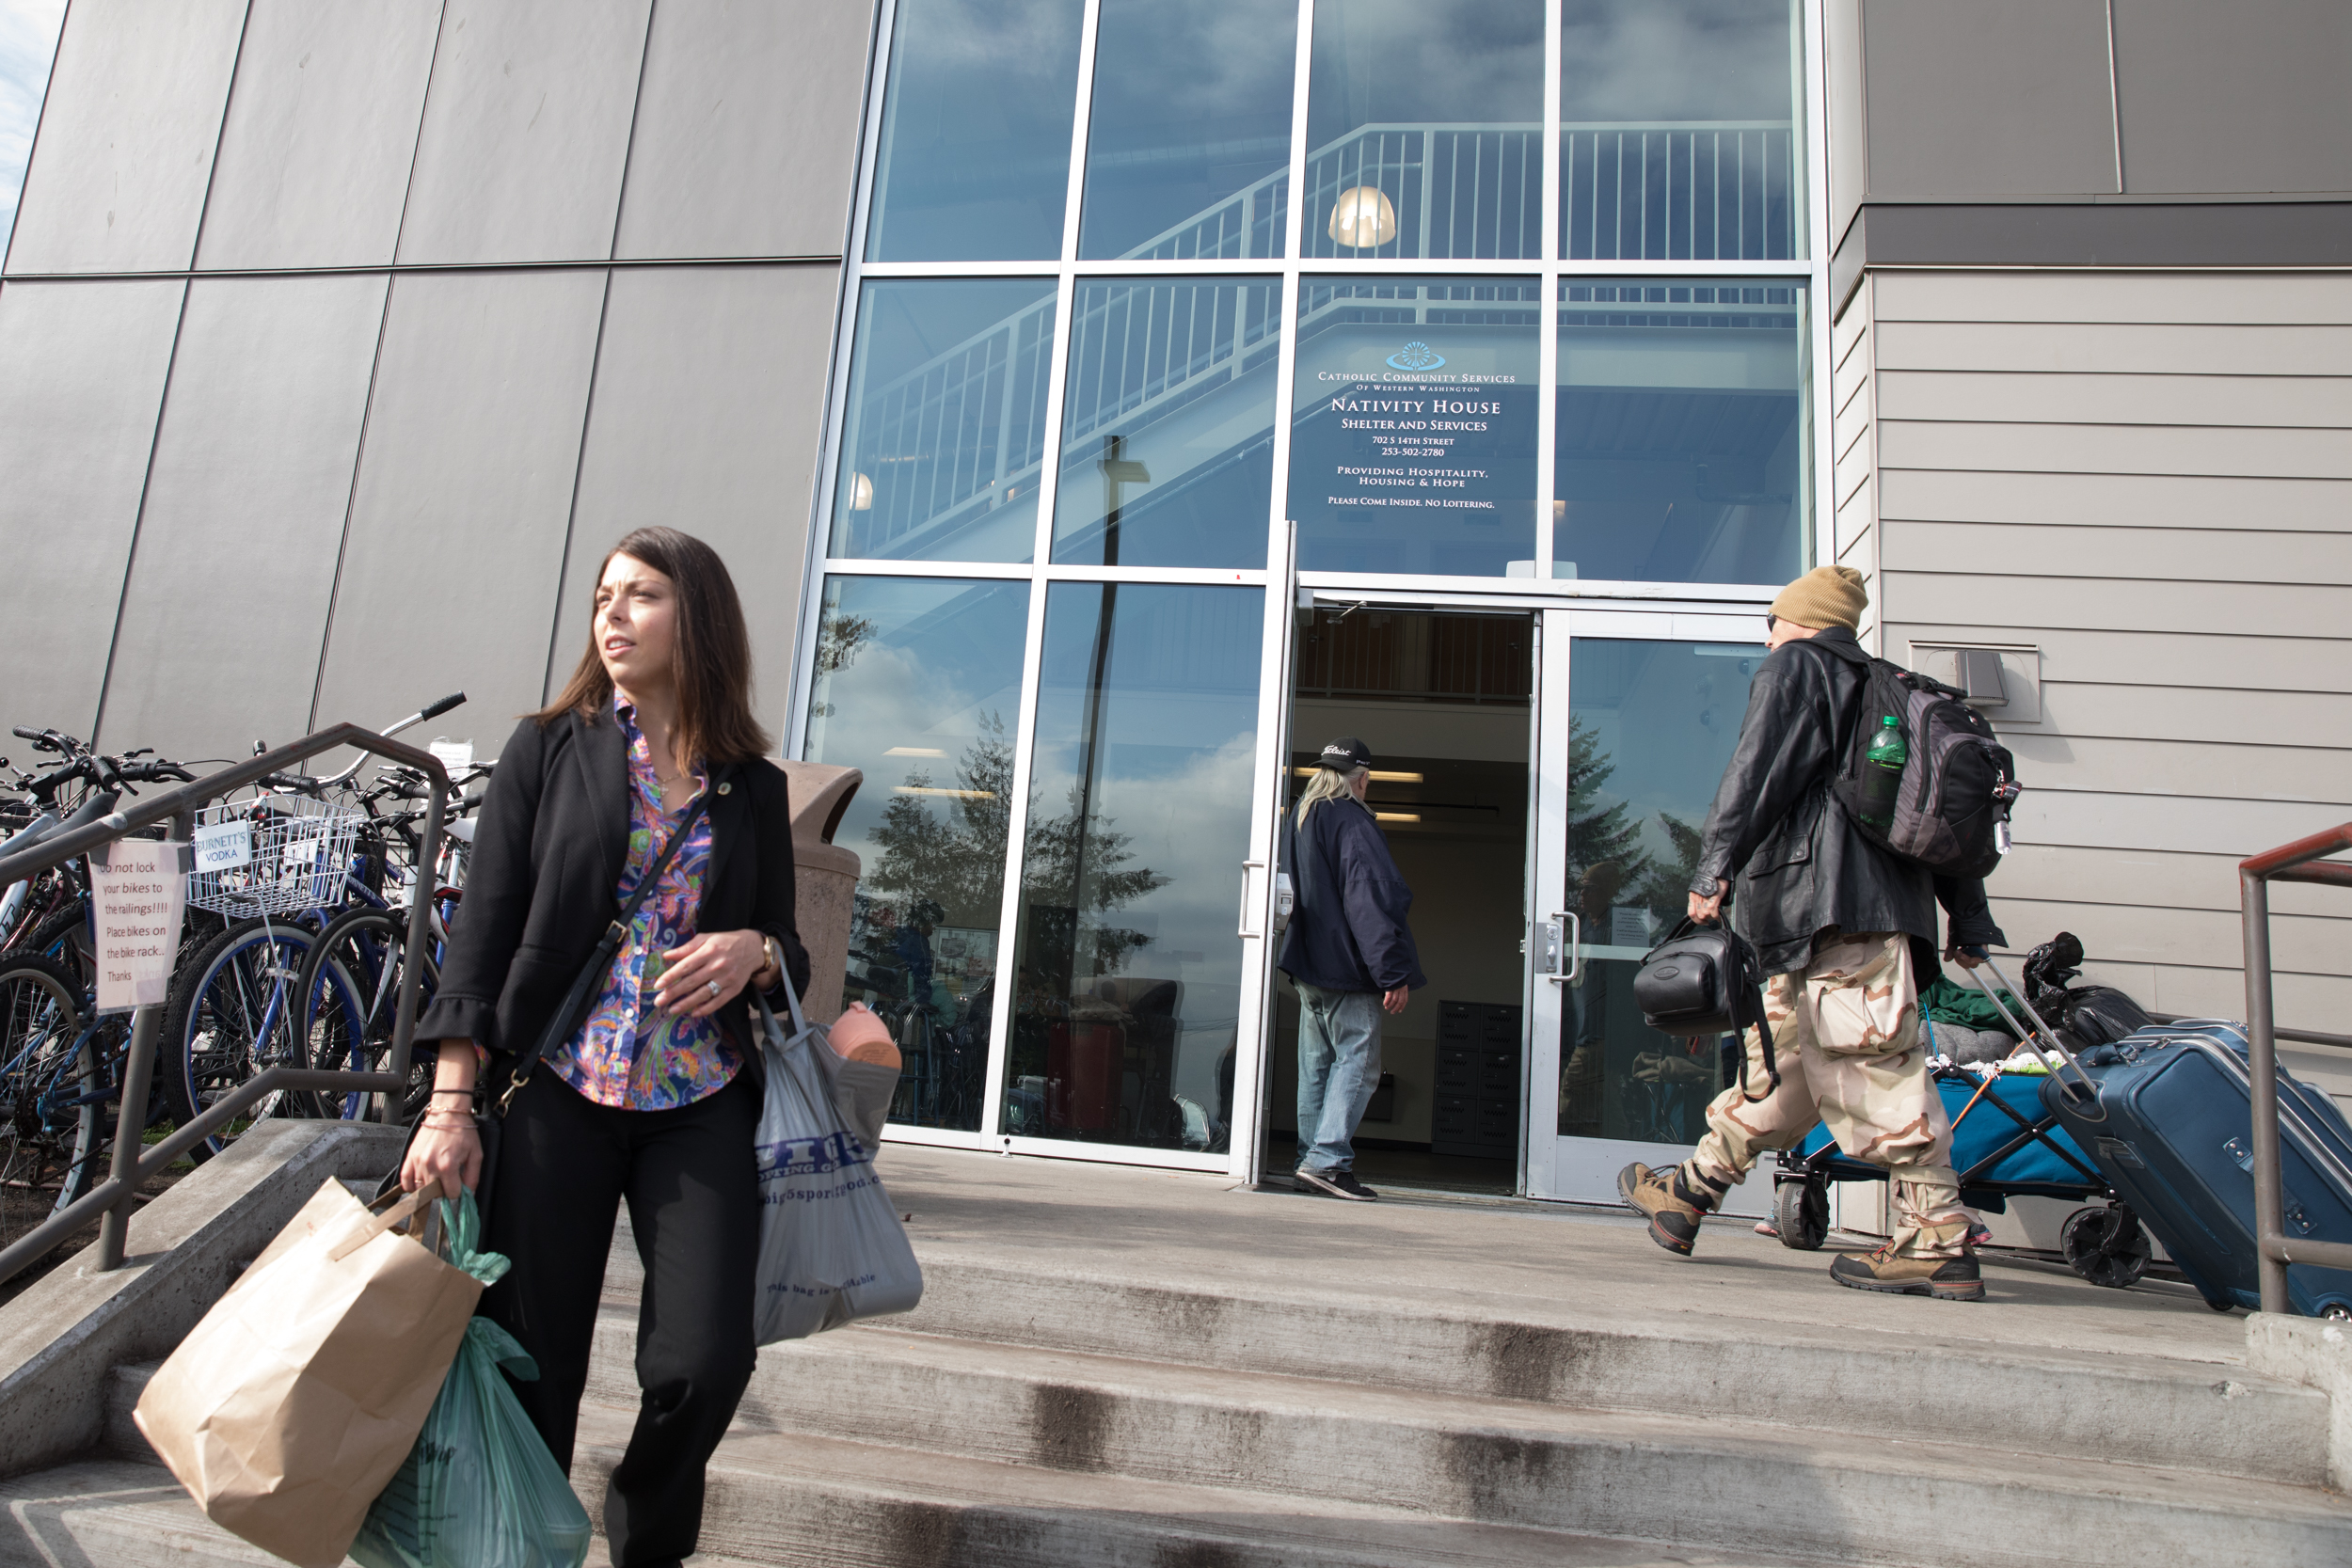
{"type": "Point", "coordinates": [232, 1016]}
{"type": "Point", "coordinates": [53, 1090]}
{"type": "Point", "coordinates": [65, 936]}
{"type": "Point", "coordinates": [349, 992]}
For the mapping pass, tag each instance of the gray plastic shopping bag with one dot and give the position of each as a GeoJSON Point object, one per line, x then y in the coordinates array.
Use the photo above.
{"type": "Point", "coordinates": [830, 1247]}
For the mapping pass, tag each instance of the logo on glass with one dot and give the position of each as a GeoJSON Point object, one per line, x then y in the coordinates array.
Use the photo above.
{"type": "Point", "coordinates": [1416, 356]}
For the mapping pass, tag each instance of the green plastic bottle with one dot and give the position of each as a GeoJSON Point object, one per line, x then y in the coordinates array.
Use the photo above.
{"type": "Point", "coordinates": [1883, 779]}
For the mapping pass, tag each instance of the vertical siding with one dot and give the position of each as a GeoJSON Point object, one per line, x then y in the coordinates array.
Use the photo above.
{"type": "Point", "coordinates": [2149, 476]}
{"type": "Point", "coordinates": [1855, 533]}
{"type": "Point", "coordinates": [390, 138]}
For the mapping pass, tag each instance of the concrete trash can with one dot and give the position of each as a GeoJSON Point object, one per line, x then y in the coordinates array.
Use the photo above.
{"type": "Point", "coordinates": [825, 879]}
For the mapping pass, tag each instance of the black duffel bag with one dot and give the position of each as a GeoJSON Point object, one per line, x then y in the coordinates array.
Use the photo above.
{"type": "Point", "coordinates": [1703, 980]}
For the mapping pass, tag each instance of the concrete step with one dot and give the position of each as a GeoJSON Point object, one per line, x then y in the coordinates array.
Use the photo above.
{"type": "Point", "coordinates": [1713, 1484]}
{"type": "Point", "coordinates": [785, 1499]}
{"type": "Point", "coordinates": [116, 1513]}
{"type": "Point", "coordinates": [800, 1500]}
{"type": "Point", "coordinates": [2160, 1410]}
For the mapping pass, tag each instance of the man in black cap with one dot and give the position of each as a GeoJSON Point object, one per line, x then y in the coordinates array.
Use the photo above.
{"type": "Point", "coordinates": [1350, 954]}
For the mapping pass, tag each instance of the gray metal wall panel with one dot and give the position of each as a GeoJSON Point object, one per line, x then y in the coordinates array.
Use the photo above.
{"type": "Point", "coordinates": [2151, 500]}
{"type": "Point", "coordinates": [2117, 448]}
{"type": "Point", "coordinates": [457, 526]}
{"type": "Point", "coordinates": [2056, 872]}
{"type": "Point", "coordinates": [2180, 657]}
{"type": "Point", "coordinates": [1848, 140]}
{"type": "Point", "coordinates": [82, 367]}
{"type": "Point", "coordinates": [2305, 401]}
{"type": "Point", "coordinates": [2161, 298]}
{"type": "Point", "coordinates": [2127, 763]}
{"type": "Point", "coordinates": [127, 135]}
{"type": "Point", "coordinates": [314, 155]}
{"type": "Point", "coordinates": [2218, 554]}
{"type": "Point", "coordinates": [708, 411]}
{"type": "Point", "coordinates": [2170, 935]}
{"type": "Point", "coordinates": [2117, 348]}
{"type": "Point", "coordinates": [2121, 604]}
{"type": "Point", "coordinates": [526, 131]}
{"type": "Point", "coordinates": [2247, 96]}
{"type": "Point", "coordinates": [226, 608]}
{"type": "Point", "coordinates": [747, 127]}
{"type": "Point", "coordinates": [1997, 96]}
{"type": "Point", "coordinates": [2187, 579]}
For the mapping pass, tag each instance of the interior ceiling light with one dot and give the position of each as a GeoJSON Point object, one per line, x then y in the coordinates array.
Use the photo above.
{"type": "Point", "coordinates": [952, 794]}
{"type": "Point", "coordinates": [861, 492]}
{"type": "Point", "coordinates": [1378, 776]}
{"type": "Point", "coordinates": [1363, 217]}
{"type": "Point", "coordinates": [1396, 816]}
{"type": "Point", "coordinates": [915, 752]}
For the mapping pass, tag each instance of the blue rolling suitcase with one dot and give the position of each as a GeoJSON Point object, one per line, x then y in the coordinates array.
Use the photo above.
{"type": "Point", "coordinates": [2176, 1143]}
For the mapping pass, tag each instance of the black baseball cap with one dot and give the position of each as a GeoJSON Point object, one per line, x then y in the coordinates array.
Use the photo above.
{"type": "Point", "coordinates": [1346, 752]}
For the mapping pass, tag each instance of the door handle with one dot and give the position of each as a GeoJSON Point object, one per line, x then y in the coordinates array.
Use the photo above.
{"type": "Point", "coordinates": [1574, 942]}
{"type": "Point", "coordinates": [1248, 867]}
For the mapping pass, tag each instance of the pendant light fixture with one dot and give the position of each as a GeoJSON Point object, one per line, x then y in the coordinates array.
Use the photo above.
{"type": "Point", "coordinates": [1363, 217]}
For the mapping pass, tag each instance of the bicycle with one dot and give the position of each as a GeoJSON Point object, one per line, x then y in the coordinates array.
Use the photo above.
{"type": "Point", "coordinates": [370, 945]}
{"type": "Point", "coordinates": [240, 1008]}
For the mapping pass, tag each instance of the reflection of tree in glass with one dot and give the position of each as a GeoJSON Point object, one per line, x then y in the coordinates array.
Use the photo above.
{"type": "Point", "coordinates": [1605, 851]}
{"type": "Point", "coordinates": [1057, 846]}
{"type": "Point", "coordinates": [1670, 880]}
{"type": "Point", "coordinates": [838, 639]}
{"type": "Point", "coordinates": [957, 859]}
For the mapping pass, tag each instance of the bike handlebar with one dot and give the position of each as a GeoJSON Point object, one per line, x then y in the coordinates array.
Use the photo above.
{"type": "Point", "coordinates": [434, 710]}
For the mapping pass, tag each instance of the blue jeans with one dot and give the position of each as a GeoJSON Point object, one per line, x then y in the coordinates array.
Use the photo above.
{"type": "Point", "coordinates": [1338, 1067]}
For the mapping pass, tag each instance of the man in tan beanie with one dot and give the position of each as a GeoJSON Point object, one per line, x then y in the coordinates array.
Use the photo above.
{"type": "Point", "coordinates": [1842, 928]}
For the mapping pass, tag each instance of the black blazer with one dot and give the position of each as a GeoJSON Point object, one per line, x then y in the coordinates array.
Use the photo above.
{"type": "Point", "coordinates": [542, 889]}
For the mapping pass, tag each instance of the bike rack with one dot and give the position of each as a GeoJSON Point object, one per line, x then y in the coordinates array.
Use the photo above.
{"type": "Point", "coordinates": [117, 1195]}
{"type": "Point", "coordinates": [2298, 862]}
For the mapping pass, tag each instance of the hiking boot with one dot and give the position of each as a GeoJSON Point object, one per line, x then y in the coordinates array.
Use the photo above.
{"type": "Point", "coordinates": [1945, 1278]}
{"type": "Point", "coordinates": [1334, 1183]}
{"type": "Point", "coordinates": [1661, 1197]}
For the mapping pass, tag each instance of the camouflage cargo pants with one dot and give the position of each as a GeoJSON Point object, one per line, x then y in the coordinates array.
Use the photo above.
{"type": "Point", "coordinates": [1846, 1030]}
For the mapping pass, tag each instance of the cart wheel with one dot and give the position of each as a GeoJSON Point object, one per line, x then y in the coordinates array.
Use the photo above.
{"type": "Point", "coordinates": [2107, 1246]}
{"type": "Point", "coordinates": [1801, 1211]}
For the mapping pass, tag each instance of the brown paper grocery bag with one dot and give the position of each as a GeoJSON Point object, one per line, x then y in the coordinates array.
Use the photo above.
{"type": "Point", "coordinates": [288, 1409]}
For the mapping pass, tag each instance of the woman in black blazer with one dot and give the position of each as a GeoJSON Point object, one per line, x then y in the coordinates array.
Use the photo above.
{"type": "Point", "coordinates": [653, 1099]}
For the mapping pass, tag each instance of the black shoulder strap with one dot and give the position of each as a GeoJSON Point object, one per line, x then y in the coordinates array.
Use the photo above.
{"type": "Point", "coordinates": [576, 1001]}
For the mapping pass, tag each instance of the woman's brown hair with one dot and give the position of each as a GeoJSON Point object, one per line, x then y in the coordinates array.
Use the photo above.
{"type": "Point", "coordinates": [712, 664]}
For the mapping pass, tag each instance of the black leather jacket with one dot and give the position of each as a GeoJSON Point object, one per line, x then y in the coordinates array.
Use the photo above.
{"type": "Point", "coordinates": [1801, 865]}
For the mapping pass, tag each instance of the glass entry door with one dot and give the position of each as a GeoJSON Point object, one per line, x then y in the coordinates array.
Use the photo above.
{"type": "Point", "coordinates": [1639, 713]}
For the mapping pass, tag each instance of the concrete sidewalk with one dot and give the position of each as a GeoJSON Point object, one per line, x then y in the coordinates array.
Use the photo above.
{"type": "Point", "coordinates": [1556, 1263]}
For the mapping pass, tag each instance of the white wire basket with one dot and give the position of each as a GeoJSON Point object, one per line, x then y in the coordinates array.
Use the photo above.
{"type": "Point", "coordinates": [289, 856]}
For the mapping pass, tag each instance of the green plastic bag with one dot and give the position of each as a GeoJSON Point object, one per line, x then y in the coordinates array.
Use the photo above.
{"type": "Point", "coordinates": [480, 1489]}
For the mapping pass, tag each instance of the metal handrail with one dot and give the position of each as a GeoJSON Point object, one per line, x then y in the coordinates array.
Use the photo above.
{"type": "Point", "coordinates": [114, 1196]}
{"type": "Point", "coordinates": [2298, 862]}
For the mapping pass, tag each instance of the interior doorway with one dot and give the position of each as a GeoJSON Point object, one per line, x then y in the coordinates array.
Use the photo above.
{"type": "Point", "coordinates": [1445, 700]}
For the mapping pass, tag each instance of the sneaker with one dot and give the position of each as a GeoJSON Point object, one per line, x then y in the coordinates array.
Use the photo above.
{"type": "Point", "coordinates": [1659, 1196]}
{"type": "Point", "coordinates": [1945, 1278]}
{"type": "Point", "coordinates": [1334, 1183]}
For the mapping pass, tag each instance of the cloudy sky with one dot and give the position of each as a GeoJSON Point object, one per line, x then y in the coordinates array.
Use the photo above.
{"type": "Point", "coordinates": [28, 37]}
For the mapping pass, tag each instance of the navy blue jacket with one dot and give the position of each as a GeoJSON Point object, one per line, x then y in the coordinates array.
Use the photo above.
{"type": "Point", "coordinates": [1347, 929]}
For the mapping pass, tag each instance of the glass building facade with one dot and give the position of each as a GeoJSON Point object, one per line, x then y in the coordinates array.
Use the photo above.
{"type": "Point", "coordinates": [1171, 329]}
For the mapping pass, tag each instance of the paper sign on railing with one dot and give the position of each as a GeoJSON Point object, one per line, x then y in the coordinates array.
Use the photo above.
{"type": "Point", "coordinates": [223, 845]}
{"type": "Point", "coordinates": [140, 895]}
{"type": "Point", "coordinates": [455, 755]}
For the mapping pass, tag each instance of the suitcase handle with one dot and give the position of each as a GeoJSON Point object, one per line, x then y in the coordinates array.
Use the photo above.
{"type": "Point", "coordinates": [2087, 1102]}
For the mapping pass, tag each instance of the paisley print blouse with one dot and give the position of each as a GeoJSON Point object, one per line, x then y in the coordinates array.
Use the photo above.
{"type": "Point", "coordinates": [628, 1053]}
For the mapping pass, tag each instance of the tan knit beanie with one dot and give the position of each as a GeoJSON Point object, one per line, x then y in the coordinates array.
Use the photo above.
{"type": "Point", "coordinates": [1824, 597]}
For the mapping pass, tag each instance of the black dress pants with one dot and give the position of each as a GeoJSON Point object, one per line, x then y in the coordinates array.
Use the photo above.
{"type": "Point", "coordinates": [565, 1165]}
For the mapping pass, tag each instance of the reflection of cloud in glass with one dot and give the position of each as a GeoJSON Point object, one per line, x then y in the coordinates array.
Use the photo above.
{"type": "Point", "coordinates": [28, 41]}
{"type": "Point", "coordinates": [1636, 60]}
